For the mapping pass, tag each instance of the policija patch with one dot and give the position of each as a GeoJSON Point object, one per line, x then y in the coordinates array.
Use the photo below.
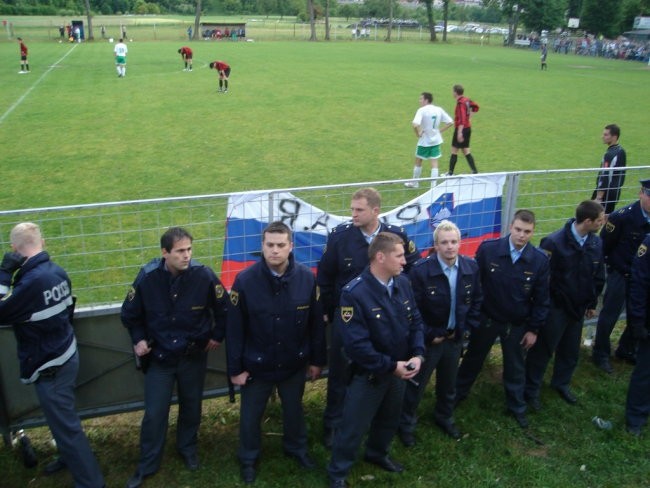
{"type": "Point", "coordinates": [131, 294]}
{"type": "Point", "coordinates": [642, 250]}
{"type": "Point", "coordinates": [609, 227]}
{"type": "Point", "coordinates": [219, 291]}
{"type": "Point", "coordinates": [234, 297]}
{"type": "Point", "coordinates": [347, 313]}
{"type": "Point", "coordinates": [411, 247]}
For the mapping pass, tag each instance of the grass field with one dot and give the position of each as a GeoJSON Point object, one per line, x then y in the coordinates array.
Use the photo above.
{"type": "Point", "coordinates": [321, 113]}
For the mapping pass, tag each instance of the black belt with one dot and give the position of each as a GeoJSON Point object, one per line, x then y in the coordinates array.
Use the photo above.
{"type": "Point", "coordinates": [49, 373]}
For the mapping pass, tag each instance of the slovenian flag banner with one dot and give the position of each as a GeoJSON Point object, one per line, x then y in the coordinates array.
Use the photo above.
{"type": "Point", "coordinates": [473, 203]}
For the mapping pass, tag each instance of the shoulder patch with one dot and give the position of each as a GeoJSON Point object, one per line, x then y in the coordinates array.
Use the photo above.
{"type": "Point", "coordinates": [234, 297]}
{"type": "Point", "coordinates": [219, 291]}
{"type": "Point", "coordinates": [642, 250]}
{"type": "Point", "coordinates": [131, 294]}
{"type": "Point", "coordinates": [411, 247]}
{"type": "Point", "coordinates": [347, 313]}
{"type": "Point", "coordinates": [609, 227]}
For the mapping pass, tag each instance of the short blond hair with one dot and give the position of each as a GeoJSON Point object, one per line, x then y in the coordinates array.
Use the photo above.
{"type": "Point", "coordinates": [445, 226]}
{"type": "Point", "coordinates": [26, 235]}
{"type": "Point", "coordinates": [371, 195]}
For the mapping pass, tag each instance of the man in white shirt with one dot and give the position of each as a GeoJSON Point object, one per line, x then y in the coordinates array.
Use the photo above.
{"type": "Point", "coordinates": [429, 123]}
{"type": "Point", "coordinates": [120, 51]}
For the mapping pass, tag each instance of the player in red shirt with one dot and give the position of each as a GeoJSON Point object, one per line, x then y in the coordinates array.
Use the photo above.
{"type": "Point", "coordinates": [186, 54]}
{"type": "Point", "coordinates": [462, 131]}
{"type": "Point", "coordinates": [24, 64]}
{"type": "Point", "coordinates": [224, 72]}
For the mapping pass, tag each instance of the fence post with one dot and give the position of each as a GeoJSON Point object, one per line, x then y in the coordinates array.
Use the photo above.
{"type": "Point", "coordinates": [510, 206]}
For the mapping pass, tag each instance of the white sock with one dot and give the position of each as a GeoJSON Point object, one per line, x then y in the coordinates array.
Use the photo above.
{"type": "Point", "coordinates": [417, 172]}
{"type": "Point", "coordinates": [434, 172]}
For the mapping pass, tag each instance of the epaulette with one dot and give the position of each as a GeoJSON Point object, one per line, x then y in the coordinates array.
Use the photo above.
{"type": "Point", "coordinates": [395, 228]}
{"type": "Point", "coordinates": [353, 283]}
{"type": "Point", "coordinates": [422, 261]}
{"type": "Point", "coordinates": [342, 227]}
{"type": "Point", "coordinates": [152, 265]}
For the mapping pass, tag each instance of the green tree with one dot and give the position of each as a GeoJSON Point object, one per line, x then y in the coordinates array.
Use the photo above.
{"type": "Point", "coordinates": [348, 10]}
{"type": "Point", "coordinates": [632, 9]}
{"type": "Point", "coordinates": [540, 15]}
{"type": "Point", "coordinates": [601, 17]}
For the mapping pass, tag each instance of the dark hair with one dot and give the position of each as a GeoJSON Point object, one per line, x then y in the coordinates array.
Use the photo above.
{"type": "Point", "coordinates": [459, 89]}
{"type": "Point", "coordinates": [19, 38]}
{"type": "Point", "coordinates": [614, 130]}
{"type": "Point", "coordinates": [180, 50]}
{"type": "Point", "coordinates": [428, 97]}
{"type": "Point", "coordinates": [384, 242]}
{"type": "Point", "coordinates": [277, 227]}
{"type": "Point", "coordinates": [121, 40]}
{"type": "Point", "coordinates": [213, 64]}
{"type": "Point", "coordinates": [588, 210]}
{"type": "Point", "coordinates": [525, 216]}
{"type": "Point", "coordinates": [172, 236]}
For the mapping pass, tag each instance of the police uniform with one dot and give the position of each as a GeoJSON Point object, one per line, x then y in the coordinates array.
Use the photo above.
{"type": "Point", "coordinates": [275, 330]}
{"type": "Point", "coordinates": [38, 304]}
{"type": "Point", "coordinates": [637, 407]}
{"type": "Point", "coordinates": [621, 235]}
{"type": "Point", "coordinates": [378, 329]}
{"type": "Point", "coordinates": [178, 316]}
{"type": "Point", "coordinates": [611, 180]}
{"type": "Point", "coordinates": [577, 279]}
{"type": "Point", "coordinates": [515, 301]}
{"type": "Point", "coordinates": [432, 291]}
{"type": "Point", "coordinates": [344, 258]}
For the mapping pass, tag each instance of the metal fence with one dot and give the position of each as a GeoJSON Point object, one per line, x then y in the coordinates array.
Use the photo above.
{"type": "Point", "coordinates": [103, 245]}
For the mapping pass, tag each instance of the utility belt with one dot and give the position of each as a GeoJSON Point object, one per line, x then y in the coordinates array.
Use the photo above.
{"type": "Point", "coordinates": [48, 373]}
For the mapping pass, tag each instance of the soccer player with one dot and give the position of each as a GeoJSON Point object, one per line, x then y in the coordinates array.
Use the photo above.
{"type": "Point", "coordinates": [186, 54]}
{"type": "Point", "coordinates": [120, 58]}
{"type": "Point", "coordinates": [610, 177]}
{"type": "Point", "coordinates": [463, 130]}
{"type": "Point", "coordinates": [429, 122]}
{"type": "Point", "coordinates": [24, 64]}
{"type": "Point", "coordinates": [224, 72]}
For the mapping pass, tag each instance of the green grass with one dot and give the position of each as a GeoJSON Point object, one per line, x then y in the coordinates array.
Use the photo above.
{"type": "Point", "coordinates": [303, 114]}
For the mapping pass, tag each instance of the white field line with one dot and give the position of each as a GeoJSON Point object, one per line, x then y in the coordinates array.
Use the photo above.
{"type": "Point", "coordinates": [29, 90]}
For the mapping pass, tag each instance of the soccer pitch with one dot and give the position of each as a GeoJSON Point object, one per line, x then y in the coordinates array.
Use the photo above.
{"type": "Point", "coordinates": [297, 114]}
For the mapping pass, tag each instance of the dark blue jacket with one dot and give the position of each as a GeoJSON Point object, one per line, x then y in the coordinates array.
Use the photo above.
{"type": "Point", "coordinates": [275, 326]}
{"type": "Point", "coordinates": [433, 296]}
{"type": "Point", "coordinates": [638, 307]}
{"type": "Point", "coordinates": [346, 256]}
{"type": "Point", "coordinates": [379, 330]}
{"type": "Point", "coordinates": [514, 293]}
{"type": "Point", "coordinates": [622, 235]}
{"type": "Point", "coordinates": [577, 272]}
{"type": "Point", "coordinates": [38, 304]}
{"type": "Point", "coordinates": [176, 314]}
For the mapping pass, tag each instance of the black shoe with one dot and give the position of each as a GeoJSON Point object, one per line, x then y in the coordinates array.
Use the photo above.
{"type": "Point", "coordinates": [339, 483]}
{"type": "Point", "coordinates": [534, 403]}
{"type": "Point", "coordinates": [54, 467]}
{"type": "Point", "coordinates": [520, 417]}
{"type": "Point", "coordinates": [135, 481]}
{"type": "Point", "coordinates": [634, 430]}
{"type": "Point", "coordinates": [407, 438]}
{"type": "Point", "coordinates": [604, 365]}
{"type": "Point", "coordinates": [385, 463]}
{"type": "Point", "coordinates": [567, 395]}
{"type": "Point", "coordinates": [248, 474]}
{"type": "Point", "coordinates": [303, 459]}
{"type": "Point", "coordinates": [449, 428]}
{"type": "Point", "coordinates": [191, 461]}
{"type": "Point", "coordinates": [628, 357]}
{"type": "Point", "coordinates": [328, 437]}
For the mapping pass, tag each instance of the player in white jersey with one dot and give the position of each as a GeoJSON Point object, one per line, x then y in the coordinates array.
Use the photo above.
{"type": "Point", "coordinates": [429, 123]}
{"type": "Point", "coordinates": [120, 51]}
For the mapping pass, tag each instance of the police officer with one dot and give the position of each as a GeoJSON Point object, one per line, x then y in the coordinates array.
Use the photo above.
{"type": "Point", "coordinates": [37, 301]}
{"type": "Point", "coordinates": [515, 280]}
{"type": "Point", "coordinates": [447, 291]}
{"type": "Point", "coordinates": [622, 235]}
{"type": "Point", "coordinates": [637, 407]}
{"type": "Point", "coordinates": [345, 256]}
{"type": "Point", "coordinates": [577, 278]}
{"type": "Point", "coordinates": [610, 177]}
{"type": "Point", "coordinates": [275, 336]}
{"type": "Point", "coordinates": [175, 313]}
{"type": "Point", "coordinates": [382, 337]}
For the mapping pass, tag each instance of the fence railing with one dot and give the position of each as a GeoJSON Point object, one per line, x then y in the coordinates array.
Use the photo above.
{"type": "Point", "coordinates": [103, 245]}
